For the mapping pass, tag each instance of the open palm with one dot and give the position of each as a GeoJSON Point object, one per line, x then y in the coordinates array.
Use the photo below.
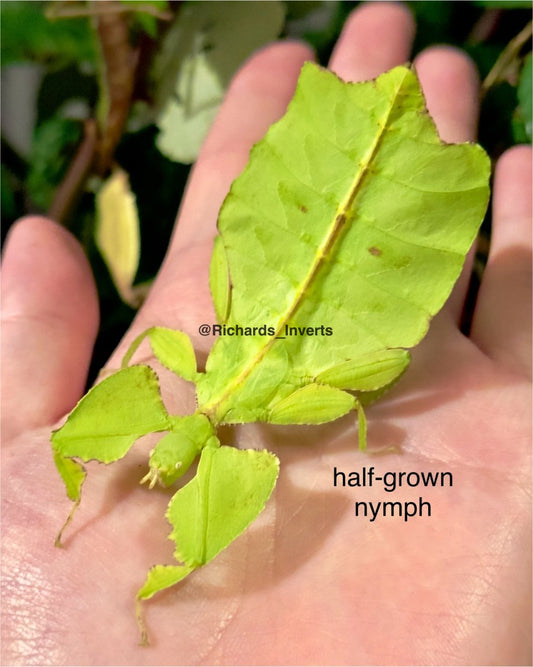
{"type": "Point", "coordinates": [309, 582]}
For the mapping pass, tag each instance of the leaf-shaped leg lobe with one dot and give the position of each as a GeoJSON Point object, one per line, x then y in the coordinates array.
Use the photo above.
{"type": "Point", "coordinates": [371, 372]}
{"type": "Point", "coordinates": [73, 475]}
{"type": "Point", "coordinates": [172, 348]}
{"type": "Point", "coordinates": [370, 376]}
{"type": "Point", "coordinates": [318, 404]}
{"type": "Point", "coordinates": [112, 415]}
{"type": "Point", "coordinates": [158, 578]}
{"type": "Point", "coordinates": [105, 424]}
{"type": "Point", "coordinates": [312, 404]}
{"type": "Point", "coordinates": [229, 491]}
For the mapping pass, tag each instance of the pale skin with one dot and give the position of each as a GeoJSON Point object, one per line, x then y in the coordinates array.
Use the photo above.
{"type": "Point", "coordinates": [311, 583]}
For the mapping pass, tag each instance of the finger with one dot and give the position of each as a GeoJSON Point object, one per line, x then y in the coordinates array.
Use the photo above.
{"type": "Point", "coordinates": [257, 97]}
{"type": "Point", "coordinates": [502, 318]}
{"type": "Point", "coordinates": [375, 37]}
{"type": "Point", "coordinates": [49, 323]}
{"type": "Point", "coordinates": [450, 83]}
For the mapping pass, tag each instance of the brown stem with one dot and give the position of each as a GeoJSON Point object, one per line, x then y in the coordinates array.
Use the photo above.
{"type": "Point", "coordinates": [507, 62]}
{"type": "Point", "coordinates": [59, 11]}
{"type": "Point", "coordinates": [119, 78]}
{"type": "Point", "coordinates": [70, 187]}
{"type": "Point", "coordinates": [485, 26]}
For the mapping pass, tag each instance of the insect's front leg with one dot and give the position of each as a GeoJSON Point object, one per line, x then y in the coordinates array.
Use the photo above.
{"type": "Point", "coordinates": [105, 424]}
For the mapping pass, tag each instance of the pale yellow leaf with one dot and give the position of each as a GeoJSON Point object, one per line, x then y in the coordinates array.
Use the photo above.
{"type": "Point", "coordinates": [117, 232]}
{"type": "Point", "coordinates": [201, 52]}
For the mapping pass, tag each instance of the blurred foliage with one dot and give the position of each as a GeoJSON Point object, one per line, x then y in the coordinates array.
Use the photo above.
{"type": "Point", "coordinates": [53, 147]}
{"type": "Point", "coordinates": [525, 98]}
{"type": "Point", "coordinates": [181, 57]}
{"type": "Point", "coordinates": [28, 35]}
{"type": "Point", "coordinates": [194, 67]}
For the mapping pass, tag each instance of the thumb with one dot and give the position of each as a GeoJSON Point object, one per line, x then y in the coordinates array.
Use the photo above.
{"type": "Point", "coordinates": [49, 324]}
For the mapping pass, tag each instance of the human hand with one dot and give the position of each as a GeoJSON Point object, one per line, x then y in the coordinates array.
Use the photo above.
{"type": "Point", "coordinates": [309, 582]}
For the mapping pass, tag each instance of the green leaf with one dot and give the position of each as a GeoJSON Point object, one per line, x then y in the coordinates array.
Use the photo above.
{"type": "Point", "coordinates": [27, 34]}
{"type": "Point", "coordinates": [364, 231]}
{"type": "Point", "coordinates": [53, 146]}
{"type": "Point", "coordinates": [112, 415]}
{"type": "Point", "coordinates": [146, 13]}
{"type": "Point", "coordinates": [525, 95]}
{"type": "Point", "coordinates": [201, 52]}
{"type": "Point", "coordinates": [229, 491]}
{"type": "Point", "coordinates": [117, 233]}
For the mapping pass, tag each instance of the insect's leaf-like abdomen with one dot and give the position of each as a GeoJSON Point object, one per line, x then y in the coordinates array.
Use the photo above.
{"type": "Point", "coordinates": [351, 214]}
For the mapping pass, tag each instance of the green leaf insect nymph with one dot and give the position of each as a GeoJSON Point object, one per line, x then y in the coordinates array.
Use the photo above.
{"type": "Point", "coordinates": [351, 213]}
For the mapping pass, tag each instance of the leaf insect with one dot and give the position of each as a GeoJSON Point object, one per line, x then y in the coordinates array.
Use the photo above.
{"type": "Point", "coordinates": [365, 231]}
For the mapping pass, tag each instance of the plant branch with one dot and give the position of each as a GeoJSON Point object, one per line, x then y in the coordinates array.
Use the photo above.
{"type": "Point", "coordinates": [69, 189]}
{"type": "Point", "coordinates": [506, 66]}
{"type": "Point", "coordinates": [60, 11]}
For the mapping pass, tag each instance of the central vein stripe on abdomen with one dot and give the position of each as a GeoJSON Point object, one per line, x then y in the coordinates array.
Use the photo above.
{"type": "Point", "coordinates": [333, 233]}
